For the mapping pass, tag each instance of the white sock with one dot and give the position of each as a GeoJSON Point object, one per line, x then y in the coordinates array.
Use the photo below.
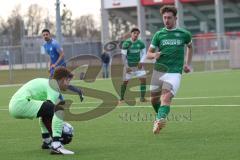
{"type": "Point", "coordinates": [56, 144]}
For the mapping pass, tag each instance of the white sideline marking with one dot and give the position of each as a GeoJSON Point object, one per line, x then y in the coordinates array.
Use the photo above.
{"type": "Point", "coordinates": [20, 84]}
{"type": "Point", "coordinates": [179, 98]}
{"type": "Point", "coordinates": [10, 85]}
{"type": "Point", "coordinates": [172, 106]}
{"type": "Point", "coordinates": [237, 96]}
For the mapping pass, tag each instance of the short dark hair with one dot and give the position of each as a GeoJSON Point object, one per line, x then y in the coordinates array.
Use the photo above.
{"type": "Point", "coordinates": [135, 29]}
{"type": "Point", "coordinates": [46, 30]}
{"type": "Point", "coordinates": [62, 72]}
{"type": "Point", "coordinates": [168, 8]}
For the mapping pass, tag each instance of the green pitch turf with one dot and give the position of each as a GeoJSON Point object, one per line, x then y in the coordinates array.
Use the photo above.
{"type": "Point", "coordinates": [204, 124]}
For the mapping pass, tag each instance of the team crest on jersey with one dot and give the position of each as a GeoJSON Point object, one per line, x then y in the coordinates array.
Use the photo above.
{"type": "Point", "coordinates": [177, 34]}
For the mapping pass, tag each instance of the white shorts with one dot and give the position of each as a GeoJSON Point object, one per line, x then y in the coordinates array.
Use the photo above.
{"type": "Point", "coordinates": [168, 81]}
{"type": "Point", "coordinates": [135, 73]}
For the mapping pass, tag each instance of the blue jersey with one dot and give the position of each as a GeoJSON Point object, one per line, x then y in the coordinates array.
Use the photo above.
{"type": "Point", "coordinates": [53, 49]}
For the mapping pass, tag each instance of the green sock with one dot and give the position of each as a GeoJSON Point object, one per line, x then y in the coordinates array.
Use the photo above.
{"type": "Point", "coordinates": [42, 126]}
{"type": "Point", "coordinates": [156, 106]}
{"type": "Point", "coordinates": [163, 112]}
{"type": "Point", "coordinates": [57, 123]}
{"type": "Point", "coordinates": [143, 90]}
{"type": "Point", "coordinates": [123, 89]}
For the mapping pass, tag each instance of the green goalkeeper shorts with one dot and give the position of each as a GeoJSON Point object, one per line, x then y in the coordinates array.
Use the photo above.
{"type": "Point", "coordinates": [24, 108]}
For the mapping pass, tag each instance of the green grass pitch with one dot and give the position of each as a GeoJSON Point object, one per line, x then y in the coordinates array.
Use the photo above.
{"type": "Point", "coordinates": [204, 124]}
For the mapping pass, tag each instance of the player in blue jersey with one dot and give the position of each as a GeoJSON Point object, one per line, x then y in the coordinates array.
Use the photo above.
{"type": "Point", "coordinates": [54, 50]}
{"type": "Point", "coordinates": [56, 54]}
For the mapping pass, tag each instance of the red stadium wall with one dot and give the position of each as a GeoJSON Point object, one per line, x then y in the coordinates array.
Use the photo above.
{"type": "Point", "coordinates": [207, 42]}
{"type": "Point", "coordinates": [208, 35]}
{"type": "Point", "coordinates": [156, 2]}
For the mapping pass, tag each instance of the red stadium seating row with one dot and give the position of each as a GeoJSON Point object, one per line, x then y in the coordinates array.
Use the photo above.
{"type": "Point", "coordinates": [156, 2]}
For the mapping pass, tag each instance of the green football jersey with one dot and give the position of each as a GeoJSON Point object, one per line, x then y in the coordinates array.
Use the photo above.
{"type": "Point", "coordinates": [133, 51]}
{"type": "Point", "coordinates": [171, 45]}
{"type": "Point", "coordinates": [39, 89]}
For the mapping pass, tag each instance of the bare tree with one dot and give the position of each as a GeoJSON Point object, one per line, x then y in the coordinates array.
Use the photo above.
{"type": "Point", "coordinates": [118, 27]}
{"type": "Point", "coordinates": [3, 26]}
{"type": "Point", "coordinates": [35, 20]}
{"type": "Point", "coordinates": [85, 28]}
{"type": "Point", "coordinates": [13, 29]}
{"type": "Point", "coordinates": [67, 22]}
{"type": "Point", "coordinates": [4, 33]}
{"type": "Point", "coordinates": [49, 22]}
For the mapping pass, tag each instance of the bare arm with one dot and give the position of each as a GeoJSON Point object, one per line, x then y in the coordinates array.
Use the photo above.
{"type": "Point", "coordinates": [124, 57]}
{"type": "Point", "coordinates": [44, 52]}
{"type": "Point", "coordinates": [189, 54]}
{"type": "Point", "coordinates": [61, 55]}
{"type": "Point", "coordinates": [142, 55]}
{"type": "Point", "coordinates": [188, 58]}
{"type": "Point", "coordinates": [151, 54]}
{"type": "Point", "coordinates": [49, 62]}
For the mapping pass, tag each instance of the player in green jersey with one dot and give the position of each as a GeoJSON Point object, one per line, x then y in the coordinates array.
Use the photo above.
{"type": "Point", "coordinates": [39, 98]}
{"type": "Point", "coordinates": [170, 42]}
{"type": "Point", "coordinates": [133, 54]}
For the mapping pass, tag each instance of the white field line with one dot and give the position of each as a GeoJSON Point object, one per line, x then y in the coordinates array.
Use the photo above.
{"type": "Point", "coordinates": [20, 84]}
{"type": "Point", "coordinates": [10, 85]}
{"type": "Point", "coordinates": [203, 97]}
{"type": "Point", "coordinates": [210, 97]}
{"type": "Point", "coordinates": [200, 72]}
{"type": "Point", "coordinates": [179, 98]}
{"type": "Point", "coordinates": [172, 106]}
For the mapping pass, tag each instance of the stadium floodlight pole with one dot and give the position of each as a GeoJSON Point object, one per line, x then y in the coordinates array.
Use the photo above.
{"type": "Point", "coordinates": [141, 20]}
{"type": "Point", "coordinates": [104, 23]}
{"type": "Point", "coordinates": [219, 10]}
{"type": "Point", "coordinates": [58, 23]}
{"type": "Point", "coordinates": [180, 21]}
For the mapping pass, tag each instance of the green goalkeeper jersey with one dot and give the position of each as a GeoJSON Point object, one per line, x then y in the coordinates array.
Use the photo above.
{"type": "Point", "coordinates": [171, 45]}
{"type": "Point", "coordinates": [39, 89]}
{"type": "Point", "coordinates": [134, 50]}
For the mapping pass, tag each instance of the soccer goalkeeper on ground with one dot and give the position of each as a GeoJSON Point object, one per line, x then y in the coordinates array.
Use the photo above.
{"type": "Point", "coordinates": [40, 98]}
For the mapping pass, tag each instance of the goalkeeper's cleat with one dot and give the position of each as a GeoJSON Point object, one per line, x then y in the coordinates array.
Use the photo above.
{"type": "Point", "coordinates": [59, 149]}
{"type": "Point", "coordinates": [46, 145]}
{"type": "Point", "coordinates": [158, 125]}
